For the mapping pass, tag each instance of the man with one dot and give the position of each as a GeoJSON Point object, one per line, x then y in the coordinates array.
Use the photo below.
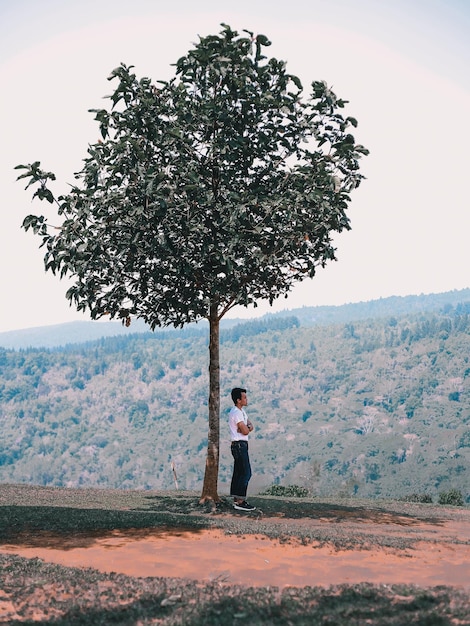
{"type": "Point", "coordinates": [240, 427]}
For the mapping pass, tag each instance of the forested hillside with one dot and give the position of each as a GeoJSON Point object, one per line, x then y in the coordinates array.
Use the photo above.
{"type": "Point", "coordinates": [378, 407]}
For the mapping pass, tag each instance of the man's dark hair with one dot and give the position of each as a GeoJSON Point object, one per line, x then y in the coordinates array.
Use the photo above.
{"type": "Point", "coordinates": [237, 394]}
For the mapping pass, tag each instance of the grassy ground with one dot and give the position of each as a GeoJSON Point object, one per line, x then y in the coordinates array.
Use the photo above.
{"type": "Point", "coordinates": [32, 591]}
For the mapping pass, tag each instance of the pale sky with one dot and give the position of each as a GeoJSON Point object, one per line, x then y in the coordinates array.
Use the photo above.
{"type": "Point", "coordinates": [403, 65]}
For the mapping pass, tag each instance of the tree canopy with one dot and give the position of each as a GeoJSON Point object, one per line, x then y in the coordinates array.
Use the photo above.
{"type": "Point", "coordinates": [217, 188]}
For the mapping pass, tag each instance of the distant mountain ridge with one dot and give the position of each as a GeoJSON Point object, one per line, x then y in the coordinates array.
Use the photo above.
{"type": "Point", "coordinates": [81, 332]}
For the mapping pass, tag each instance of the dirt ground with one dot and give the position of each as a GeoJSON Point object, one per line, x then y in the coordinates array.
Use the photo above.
{"type": "Point", "coordinates": [437, 558]}
{"type": "Point", "coordinates": [164, 546]}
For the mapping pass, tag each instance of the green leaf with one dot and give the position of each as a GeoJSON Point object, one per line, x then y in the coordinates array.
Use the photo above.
{"type": "Point", "coordinates": [263, 40]}
{"type": "Point", "coordinates": [296, 81]}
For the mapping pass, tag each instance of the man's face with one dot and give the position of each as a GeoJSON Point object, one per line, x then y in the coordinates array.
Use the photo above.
{"type": "Point", "coordinates": [243, 400]}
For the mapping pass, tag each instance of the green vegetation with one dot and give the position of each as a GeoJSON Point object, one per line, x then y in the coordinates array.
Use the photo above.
{"type": "Point", "coordinates": [424, 498]}
{"type": "Point", "coordinates": [291, 491]}
{"type": "Point", "coordinates": [361, 409]}
{"type": "Point", "coordinates": [453, 497]}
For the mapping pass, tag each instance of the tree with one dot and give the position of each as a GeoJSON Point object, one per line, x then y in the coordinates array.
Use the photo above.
{"type": "Point", "coordinates": [214, 189]}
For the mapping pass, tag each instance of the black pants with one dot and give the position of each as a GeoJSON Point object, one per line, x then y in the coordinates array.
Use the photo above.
{"type": "Point", "coordinates": [241, 469]}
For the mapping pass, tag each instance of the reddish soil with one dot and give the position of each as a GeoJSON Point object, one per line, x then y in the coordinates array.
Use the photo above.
{"type": "Point", "coordinates": [439, 555]}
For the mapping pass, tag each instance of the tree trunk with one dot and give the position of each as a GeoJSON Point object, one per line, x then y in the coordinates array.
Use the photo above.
{"type": "Point", "coordinates": [209, 489]}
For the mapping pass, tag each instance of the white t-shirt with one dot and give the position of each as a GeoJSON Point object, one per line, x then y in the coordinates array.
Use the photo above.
{"type": "Point", "coordinates": [236, 416]}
